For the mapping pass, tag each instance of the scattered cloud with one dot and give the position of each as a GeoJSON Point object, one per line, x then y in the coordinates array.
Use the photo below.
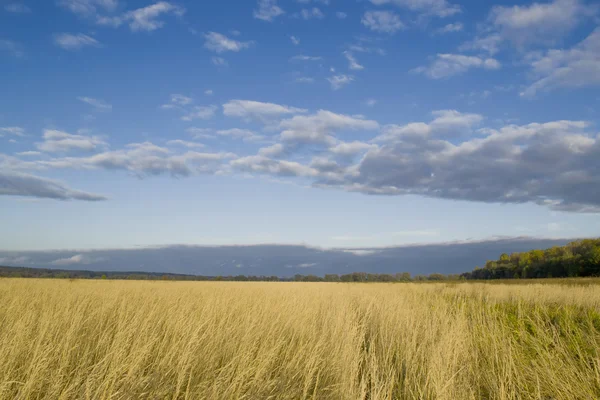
{"type": "Point", "coordinates": [62, 142]}
{"type": "Point", "coordinates": [574, 68]}
{"type": "Point", "coordinates": [142, 19]}
{"type": "Point", "coordinates": [490, 44]}
{"type": "Point", "coordinates": [305, 79]}
{"type": "Point", "coordinates": [446, 65]}
{"type": "Point", "coordinates": [208, 92]}
{"type": "Point", "coordinates": [245, 134]}
{"type": "Point", "coordinates": [339, 81]}
{"type": "Point", "coordinates": [17, 8]}
{"type": "Point", "coordinates": [257, 109]}
{"type": "Point", "coordinates": [220, 43]}
{"type": "Point", "coordinates": [439, 8]}
{"type": "Point", "coordinates": [341, 15]}
{"type": "Point", "coordinates": [184, 143]}
{"type": "Point", "coordinates": [70, 41]}
{"type": "Point", "coordinates": [541, 23]}
{"type": "Point", "coordinates": [268, 10]}
{"type": "Point", "coordinates": [370, 102]}
{"type": "Point", "coordinates": [12, 130]}
{"type": "Point", "coordinates": [351, 148]}
{"type": "Point", "coordinates": [12, 47]}
{"type": "Point", "coordinates": [88, 7]}
{"type": "Point", "coordinates": [352, 63]}
{"type": "Point", "coordinates": [382, 21]}
{"type": "Point", "coordinates": [20, 184]}
{"type": "Point", "coordinates": [96, 103]}
{"type": "Point", "coordinates": [219, 61]}
{"type": "Point", "coordinates": [146, 159]}
{"type": "Point", "coordinates": [302, 57]}
{"type": "Point", "coordinates": [295, 40]}
{"type": "Point", "coordinates": [30, 153]}
{"type": "Point", "coordinates": [201, 133]}
{"type": "Point", "coordinates": [318, 127]}
{"type": "Point", "coordinates": [200, 112]}
{"type": "Point", "coordinates": [311, 13]}
{"type": "Point", "coordinates": [450, 28]}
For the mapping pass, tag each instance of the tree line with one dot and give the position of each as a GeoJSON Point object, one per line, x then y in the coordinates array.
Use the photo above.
{"type": "Point", "coordinates": [21, 272]}
{"type": "Point", "coordinates": [577, 259]}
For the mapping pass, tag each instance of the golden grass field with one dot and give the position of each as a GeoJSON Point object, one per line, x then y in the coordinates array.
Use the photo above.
{"type": "Point", "coordinates": [64, 339]}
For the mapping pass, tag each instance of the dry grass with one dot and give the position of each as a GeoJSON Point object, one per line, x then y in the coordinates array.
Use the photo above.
{"type": "Point", "coordinates": [188, 340]}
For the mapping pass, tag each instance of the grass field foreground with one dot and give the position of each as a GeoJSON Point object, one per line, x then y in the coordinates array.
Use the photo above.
{"type": "Point", "coordinates": [64, 339]}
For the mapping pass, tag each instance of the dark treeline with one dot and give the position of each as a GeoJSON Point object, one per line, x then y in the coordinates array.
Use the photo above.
{"type": "Point", "coordinates": [577, 259]}
{"type": "Point", "coordinates": [18, 272]}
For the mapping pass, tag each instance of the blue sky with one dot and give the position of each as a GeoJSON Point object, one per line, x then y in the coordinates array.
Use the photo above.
{"type": "Point", "coordinates": [328, 123]}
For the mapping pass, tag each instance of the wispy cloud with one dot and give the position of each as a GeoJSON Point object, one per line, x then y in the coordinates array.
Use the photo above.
{"type": "Point", "coordinates": [143, 19]}
{"type": "Point", "coordinates": [220, 43]}
{"type": "Point", "coordinates": [268, 10]}
{"type": "Point", "coordinates": [12, 47]}
{"type": "Point", "coordinates": [339, 81]}
{"type": "Point", "coordinates": [77, 41]}
{"type": "Point", "coordinates": [96, 103]}
{"type": "Point", "coordinates": [446, 65]}
{"type": "Point", "coordinates": [382, 21]}
{"type": "Point", "coordinates": [17, 8]}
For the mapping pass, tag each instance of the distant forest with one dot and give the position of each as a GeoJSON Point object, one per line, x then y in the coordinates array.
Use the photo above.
{"type": "Point", "coordinates": [577, 259]}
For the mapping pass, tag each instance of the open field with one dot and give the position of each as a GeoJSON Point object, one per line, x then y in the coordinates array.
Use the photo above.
{"type": "Point", "coordinates": [64, 339]}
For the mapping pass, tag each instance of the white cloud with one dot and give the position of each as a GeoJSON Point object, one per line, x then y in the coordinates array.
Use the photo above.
{"type": "Point", "coordinates": [449, 28]}
{"type": "Point", "coordinates": [200, 112]}
{"type": "Point", "coordinates": [19, 184]}
{"type": "Point", "coordinates": [12, 130]}
{"type": "Point", "coordinates": [341, 15]}
{"type": "Point", "coordinates": [446, 65]}
{"type": "Point", "coordinates": [244, 134]}
{"type": "Point", "coordinates": [268, 10]}
{"type": "Point", "coordinates": [249, 108]}
{"type": "Point", "coordinates": [62, 142]}
{"type": "Point", "coordinates": [295, 40]}
{"type": "Point", "coordinates": [184, 143]}
{"type": "Point", "coordinates": [305, 79]}
{"type": "Point", "coordinates": [440, 8]}
{"type": "Point", "coordinates": [201, 133]}
{"type": "Point", "coordinates": [76, 259]}
{"type": "Point", "coordinates": [311, 13]}
{"type": "Point", "coordinates": [574, 68]}
{"type": "Point", "coordinates": [490, 44]}
{"type": "Point", "coordinates": [370, 102]}
{"type": "Point", "coordinates": [302, 57]}
{"type": "Point", "coordinates": [88, 7]}
{"type": "Point", "coordinates": [220, 43]}
{"type": "Point", "coordinates": [146, 159]}
{"type": "Point", "coordinates": [219, 61]}
{"type": "Point", "coordinates": [208, 92]}
{"type": "Point", "coordinates": [382, 21]}
{"type": "Point", "coordinates": [352, 63]}
{"type": "Point", "coordinates": [351, 148]}
{"type": "Point", "coordinates": [339, 81]}
{"type": "Point", "coordinates": [538, 22]}
{"type": "Point", "coordinates": [30, 153]}
{"type": "Point", "coordinates": [177, 100]}
{"type": "Point", "coordinates": [12, 47]}
{"type": "Point", "coordinates": [96, 103]}
{"type": "Point", "coordinates": [272, 151]}
{"type": "Point", "coordinates": [143, 19]}
{"type": "Point", "coordinates": [69, 41]}
{"type": "Point", "coordinates": [318, 128]}
{"type": "Point", "coordinates": [17, 8]}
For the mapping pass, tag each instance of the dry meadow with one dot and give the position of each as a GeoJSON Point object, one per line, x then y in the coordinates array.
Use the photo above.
{"type": "Point", "coordinates": [63, 339]}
